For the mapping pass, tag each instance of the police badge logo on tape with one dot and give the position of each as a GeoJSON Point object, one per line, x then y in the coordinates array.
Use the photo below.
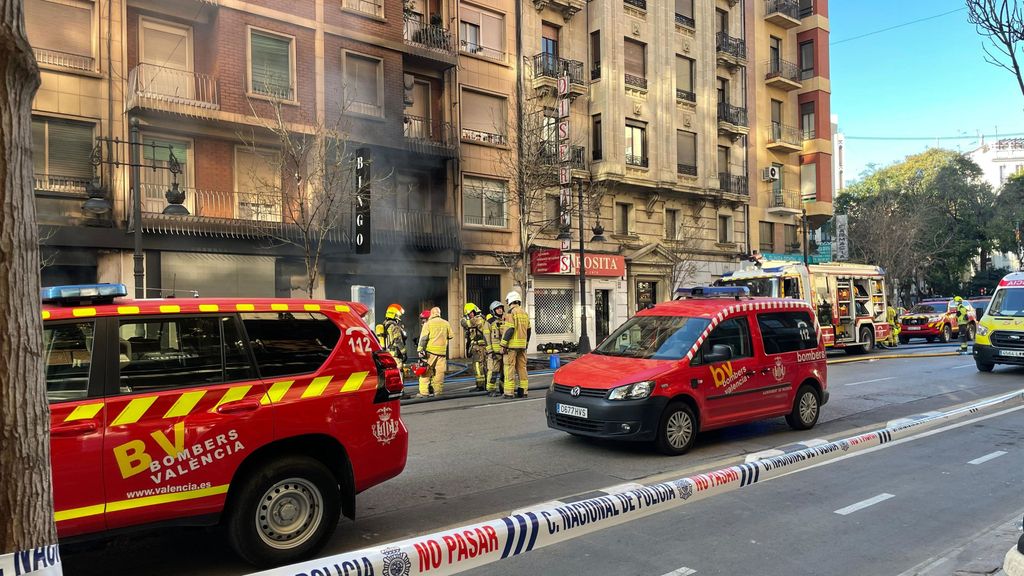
{"type": "Point", "coordinates": [396, 562]}
{"type": "Point", "coordinates": [685, 488]}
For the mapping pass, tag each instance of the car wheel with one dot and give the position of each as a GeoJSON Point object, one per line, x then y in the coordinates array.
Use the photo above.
{"type": "Point", "coordinates": [806, 408]}
{"type": "Point", "coordinates": [677, 430]}
{"type": "Point", "coordinates": [947, 334]}
{"type": "Point", "coordinates": [904, 340]}
{"type": "Point", "coordinates": [984, 366]}
{"type": "Point", "coordinates": [284, 511]}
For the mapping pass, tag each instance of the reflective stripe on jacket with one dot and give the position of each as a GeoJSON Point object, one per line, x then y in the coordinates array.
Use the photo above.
{"type": "Point", "coordinates": [435, 336]}
{"type": "Point", "coordinates": [517, 328]}
{"type": "Point", "coordinates": [495, 332]}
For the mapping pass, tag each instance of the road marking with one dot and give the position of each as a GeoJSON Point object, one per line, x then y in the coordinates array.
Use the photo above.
{"type": "Point", "coordinates": [509, 403]}
{"type": "Point", "coordinates": [962, 366]}
{"type": "Point", "coordinates": [684, 571]}
{"type": "Point", "coordinates": [870, 381]}
{"type": "Point", "coordinates": [988, 457]}
{"type": "Point", "coordinates": [864, 504]}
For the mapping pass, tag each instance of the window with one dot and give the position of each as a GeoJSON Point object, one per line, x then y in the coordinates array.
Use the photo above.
{"type": "Point", "coordinates": [790, 238]}
{"type": "Point", "coordinates": [646, 294]}
{"type": "Point", "coordinates": [549, 41]}
{"type": "Point", "coordinates": [484, 118]}
{"type": "Point", "coordinates": [777, 184]}
{"type": "Point", "coordinates": [270, 65]}
{"type": "Point", "coordinates": [766, 243]}
{"type": "Point", "coordinates": [724, 229]}
{"type": "Point", "coordinates": [161, 354]}
{"type": "Point", "coordinates": [671, 224]}
{"type": "Point", "coordinates": [721, 21]}
{"type": "Point", "coordinates": [595, 54]}
{"type": "Point", "coordinates": [364, 78]}
{"type": "Point", "coordinates": [68, 350]}
{"type": "Point", "coordinates": [636, 143]}
{"type": "Point", "coordinates": [686, 152]}
{"type": "Point", "coordinates": [787, 332]}
{"type": "Point", "coordinates": [67, 44]}
{"type": "Point", "coordinates": [372, 7]}
{"type": "Point", "coordinates": [806, 60]}
{"type": "Point", "coordinates": [597, 139]}
{"type": "Point", "coordinates": [808, 182]}
{"type": "Point", "coordinates": [807, 120]}
{"type": "Point", "coordinates": [258, 184]}
{"type": "Point", "coordinates": [1002, 174]}
{"type": "Point", "coordinates": [775, 54]}
{"type": "Point", "coordinates": [684, 78]}
{"type": "Point", "coordinates": [684, 12]}
{"type": "Point", "coordinates": [776, 116]}
{"type": "Point", "coordinates": [483, 202]}
{"type": "Point", "coordinates": [286, 343]}
{"type": "Point", "coordinates": [654, 337]}
{"type": "Point", "coordinates": [482, 32]}
{"type": "Point", "coordinates": [635, 54]}
{"type": "Point", "coordinates": [554, 212]}
{"type": "Point", "coordinates": [723, 159]}
{"type": "Point", "coordinates": [623, 215]}
{"type": "Point", "coordinates": [549, 135]}
{"type": "Point", "coordinates": [806, 8]}
{"type": "Point", "coordinates": [733, 333]}
{"type": "Point", "coordinates": [723, 90]}
{"type": "Point", "coordinates": [61, 154]}
{"type": "Point", "coordinates": [156, 152]}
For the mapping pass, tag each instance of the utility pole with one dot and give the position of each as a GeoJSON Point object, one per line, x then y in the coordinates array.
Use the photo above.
{"type": "Point", "coordinates": [804, 226]}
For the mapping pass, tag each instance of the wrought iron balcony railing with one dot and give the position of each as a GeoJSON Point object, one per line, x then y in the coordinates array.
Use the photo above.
{"type": "Point", "coordinates": [636, 81]}
{"type": "Point", "coordinates": [684, 20]}
{"type": "Point", "coordinates": [685, 95]}
{"type": "Point", "coordinates": [548, 156]}
{"type": "Point", "coordinates": [492, 138]}
{"type": "Point", "coordinates": [638, 161]}
{"type": "Point", "coordinates": [726, 44]}
{"type": "Point", "coordinates": [782, 69]}
{"type": "Point", "coordinates": [641, 4]}
{"type": "Point", "coordinates": [733, 183]}
{"type": "Point", "coordinates": [686, 169]}
{"type": "Point", "coordinates": [429, 36]}
{"type": "Point", "coordinates": [163, 88]}
{"type": "Point", "coordinates": [790, 8]}
{"type": "Point", "coordinates": [64, 59]}
{"type": "Point", "coordinates": [780, 133]}
{"type": "Point", "coordinates": [785, 199]}
{"type": "Point", "coordinates": [58, 183]}
{"type": "Point", "coordinates": [550, 66]}
{"type": "Point", "coordinates": [429, 136]}
{"type": "Point", "coordinates": [480, 50]}
{"type": "Point", "coordinates": [732, 114]}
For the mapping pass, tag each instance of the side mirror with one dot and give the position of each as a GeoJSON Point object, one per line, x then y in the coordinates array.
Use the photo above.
{"type": "Point", "coordinates": [719, 353]}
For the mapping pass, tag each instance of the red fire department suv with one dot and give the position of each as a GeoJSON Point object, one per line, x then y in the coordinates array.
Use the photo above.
{"type": "Point", "coordinates": [935, 320]}
{"type": "Point", "coordinates": [267, 416]}
{"type": "Point", "coordinates": [695, 364]}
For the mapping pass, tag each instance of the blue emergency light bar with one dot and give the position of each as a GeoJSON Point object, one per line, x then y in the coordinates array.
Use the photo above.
{"type": "Point", "coordinates": [78, 293]}
{"type": "Point", "coordinates": [718, 292]}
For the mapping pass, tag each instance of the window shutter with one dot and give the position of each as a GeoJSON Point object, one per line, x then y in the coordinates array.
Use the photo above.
{"type": "Point", "coordinates": [165, 48]}
{"type": "Point", "coordinates": [271, 65]}
{"type": "Point", "coordinates": [483, 113]}
{"type": "Point", "coordinates": [687, 147]}
{"type": "Point", "coordinates": [70, 145]}
{"type": "Point", "coordinates": [685, 8]}
{"type": "Point", "coordinates": [684, 73]}
{"type": "Point", "coordinates": [362, 78]}
{"type": "Point", "coordinates": [73, 32]}
{"type": "Point", "coordinates": [634, 57]}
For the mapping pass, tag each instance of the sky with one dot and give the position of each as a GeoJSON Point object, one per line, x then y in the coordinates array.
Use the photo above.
{"type": "Point", "coordinates": [926, 80]}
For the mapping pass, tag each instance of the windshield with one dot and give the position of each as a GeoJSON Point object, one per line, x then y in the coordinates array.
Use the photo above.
{"type": "Point", "coordinates": [929, 309]}
{"type": "Point", "coordinates": [759, 287]}
{"type": "Point", "coordinates": [654, 337]}
{"type": "Point", "coordinates": [1007, 302]}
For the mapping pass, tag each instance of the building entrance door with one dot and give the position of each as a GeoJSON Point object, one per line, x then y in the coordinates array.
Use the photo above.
{"type": "Point", "coordinates": [602, 314]}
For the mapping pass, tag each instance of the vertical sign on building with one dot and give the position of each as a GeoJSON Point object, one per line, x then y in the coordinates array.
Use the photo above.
{"type": "Point", "coordinates": [842, 247]}
{"type": "Point", "coordinates": [361, 206]}
{"type": "Point", "coordinates": [564, 157]}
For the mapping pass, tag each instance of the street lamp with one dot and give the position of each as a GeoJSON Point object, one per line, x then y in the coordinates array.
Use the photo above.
{"type": "Point", "coordinates": [584, 345]}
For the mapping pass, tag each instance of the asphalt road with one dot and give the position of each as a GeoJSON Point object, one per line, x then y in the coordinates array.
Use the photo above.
{"type": "Point", "coordinates": [476, 458]}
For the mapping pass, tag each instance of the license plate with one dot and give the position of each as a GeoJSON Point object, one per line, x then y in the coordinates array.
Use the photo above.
{"type": "Point", "coordinates": [577, 411]}
{"type": "Point", "coordinates": [912, 328]}
{"type": "Point", "coordinates": [1013, 353]}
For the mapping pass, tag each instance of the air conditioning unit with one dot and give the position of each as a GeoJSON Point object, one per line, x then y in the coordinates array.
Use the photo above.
{"type": "Point", "coordinates": [770, 174]}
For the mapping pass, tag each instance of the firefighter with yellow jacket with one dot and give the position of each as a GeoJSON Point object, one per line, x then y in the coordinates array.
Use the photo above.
{"type": "Point", "coordinates": [392, 335]}
{"type": "Point", "coordinates": [476, 343]}
{"type": "Point", "coordinates": [514, 342]}
{"type": "Point", "coordinates": [495, 331]}
{"type": "Point", "coordinates": [433, 350]}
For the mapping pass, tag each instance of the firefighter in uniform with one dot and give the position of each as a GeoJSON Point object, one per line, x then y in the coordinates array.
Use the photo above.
{"type": "Point", "coordinates": [433, 349]}
{"type": "Point", "coordinates": [513, 344]}
{"type": "Point", "coordinates": [893, 340]}
{"type": "Point", "coordinates": [495, 330]}
{"type": "Point", "coordinates": [392, 335]}
{"type": "Point", "coordinates": [476, 344]}
{"type": "Point", "coordinates": [963, 322]}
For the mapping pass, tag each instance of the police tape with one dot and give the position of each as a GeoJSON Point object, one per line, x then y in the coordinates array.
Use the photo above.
{"type": "Point", "coordinates": [464, 548]}
{"type": "Point", "coordinates": [42, 561]}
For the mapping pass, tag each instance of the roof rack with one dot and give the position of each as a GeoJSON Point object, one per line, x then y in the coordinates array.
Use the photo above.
{"type": "Point", "coordinates": [736, 292]}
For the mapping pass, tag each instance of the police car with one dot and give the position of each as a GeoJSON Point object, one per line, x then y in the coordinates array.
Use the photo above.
{"type": "Point", "coordinates": [715, 358]}
{"type": "Point", "coordinates": [266, 416]}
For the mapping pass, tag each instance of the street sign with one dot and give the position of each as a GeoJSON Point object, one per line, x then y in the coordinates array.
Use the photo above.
{"type": "Point", "coordinates": [563, 85]}
{"type": "Point", "coordinates": [842, 245]}
{"type": "Point", "coordinates": [563, 108]}
{"type": "Point", "coordinates": [362, 235]}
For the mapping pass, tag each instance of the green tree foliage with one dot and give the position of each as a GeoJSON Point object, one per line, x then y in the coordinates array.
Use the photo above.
{"type": "Point", "coordinates": [1008, 217]}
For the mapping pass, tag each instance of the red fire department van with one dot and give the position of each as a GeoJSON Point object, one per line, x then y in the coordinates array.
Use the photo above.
{"type": "Point", "coordinates": [267, 416]}
{"type": "Point", "coordinates": [714, 359]}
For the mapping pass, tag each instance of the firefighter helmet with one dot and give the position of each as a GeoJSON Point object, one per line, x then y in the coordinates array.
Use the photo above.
{"type": "Point", "coordinates": [419, 369]}
{"type": "Point", "coordinates": [957, 299]}
{"type": "Point", "coordinates": [470, 307]}
{"type": "Point", "coordinates": [395, 311]}
{"type": "Point", "coordinates": [495, 305]}
{"type": "Point", "coordinates": [513, 296]}
{"type": "Point", "coordinates": [425, 315]}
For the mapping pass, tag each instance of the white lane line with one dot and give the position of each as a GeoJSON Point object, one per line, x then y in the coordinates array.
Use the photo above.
{"type": "Point", "coordinates": [870, 381]}
{"type": "Point", "coordinates": [963, 366]}
{"type": "Point", "coordinates": [987, 457]}
{"type": "Point", "coordinates": [864, 504]}
{"type": "Point", "coordinates": [684, 571]}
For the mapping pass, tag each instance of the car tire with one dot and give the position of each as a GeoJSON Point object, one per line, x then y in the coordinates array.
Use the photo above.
{"type": "Point", "coordinates": [806, 409]}
{"type": "Point", "coordinates": [677, 429]}
{"type": "Point", "coordinates": [984, 366]}
{"type": "Point", "coordinates": [947, 334]}
{"type": "Point", "coordinates": [296, 494]}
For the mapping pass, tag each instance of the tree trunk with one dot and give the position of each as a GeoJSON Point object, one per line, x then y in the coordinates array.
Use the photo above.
{"type": "Point", "coordinates": [26, 501]}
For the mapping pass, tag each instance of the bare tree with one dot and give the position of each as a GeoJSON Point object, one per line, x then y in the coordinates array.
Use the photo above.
{"type": "Point", "coordinates": [26, 502]}
{"type": "Point", "coordinates": [690, 238]}
{"type": "Point", "coordinates": [1002, 23]}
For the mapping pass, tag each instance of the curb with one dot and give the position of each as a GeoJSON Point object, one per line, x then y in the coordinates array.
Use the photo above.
{"type": "Point", "coordinates": [1013, 564]}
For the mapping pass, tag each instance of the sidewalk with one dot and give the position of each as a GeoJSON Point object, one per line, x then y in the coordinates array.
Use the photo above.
{"type": "Point", "coordinates": [460, 385]}
{"type": "Point", "coordinates": [981, 555]}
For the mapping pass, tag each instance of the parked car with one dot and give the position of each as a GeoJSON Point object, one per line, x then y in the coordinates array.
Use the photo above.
{"type": "Point", "coordinates": [934, 320]}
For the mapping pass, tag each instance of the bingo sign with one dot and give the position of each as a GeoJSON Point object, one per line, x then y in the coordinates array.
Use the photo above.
{"type": "Point", "coordinates": [362, 238]}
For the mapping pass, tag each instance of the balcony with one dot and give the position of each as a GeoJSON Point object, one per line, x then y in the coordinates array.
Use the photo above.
{"type": "Point", "coordinates": [637, 82]}
{"type": "Point", "coordinates": [548, 156]}
{"type": "Point", "coordinates": [782, 74]}
{"type": "Point", "coordinates": [427, 136]}
{"type": "Point", "coordinates": [784, 139]}
{"type": "Point", "coordinates": [636, 161]}
{"type": "Point", "coordinates": [686, 170]}
{"type": "Point", "coordinates": [685, 96]}
{"type": "Point", "coordinates": [784, 202]}
{"type": "Point", "coordinates": [732, 120]}
{"type": "Point", "coordinates": [181, 92]}
{"type": "Point", "coordinates": [568, 8]}
{"type": "Point", "coordinates": [731, 51]}
{"type": "Point", "coordinates": [733, 184]}
{"type": "Point", "coordinates": [482, 51]}
{"type": "Point", "coordinates": [65, 60]}
{"type": "Point", "coordinates": [782, 13]}
{"type": "Point", "coordinates": [430, 43]}
{"type": "Point", "coordinates": [59, 201]}
{"type": "Point", "coordinates": [637, 4]}
{"type": "Point", "coordinates": [548, 68]}
{"type": "Point", "coordinates": [687, 21]}
{"type": "Point", "coordinates": [479, 136]}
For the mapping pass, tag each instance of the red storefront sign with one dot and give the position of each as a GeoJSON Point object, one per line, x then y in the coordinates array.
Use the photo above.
{"type": "Point", "coordinates": [554, 261]}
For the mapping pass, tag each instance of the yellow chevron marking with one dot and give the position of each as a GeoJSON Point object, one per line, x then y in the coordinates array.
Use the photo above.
{"type": "Point", "coordinates": [127, 309]}
{"type": "Point", "coordinates": [84, 412]}
{"type": "Point", "coordinates": [170, 309]}
{"type": "Point", "coordinates": [80, 312]}
{"type": "Point", "coordinates": [133, 411]}
{"type": "Point", "coordinates": [232, 395]}
{"type": "Point", "coordinates": [311, 307]}
{"type": "Point", "coordinates": [185, 403]}
{"type": "Point", "coordinates": [316, 387]}
{"type": "Point", "coordinates": [342, 308]}
{"type": "Point", "coordinates": [209, 308]}
{"type": "Point", "coordinates": [46, 314]}
{"type": "Point", "coordinates": [279, 307]}
{"type": "Point", "coordinates": [355, 380]}
{"type": "Point", "coordinates": [276, 392]}
{"type": "Point", "coordinates": [245, 307]}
